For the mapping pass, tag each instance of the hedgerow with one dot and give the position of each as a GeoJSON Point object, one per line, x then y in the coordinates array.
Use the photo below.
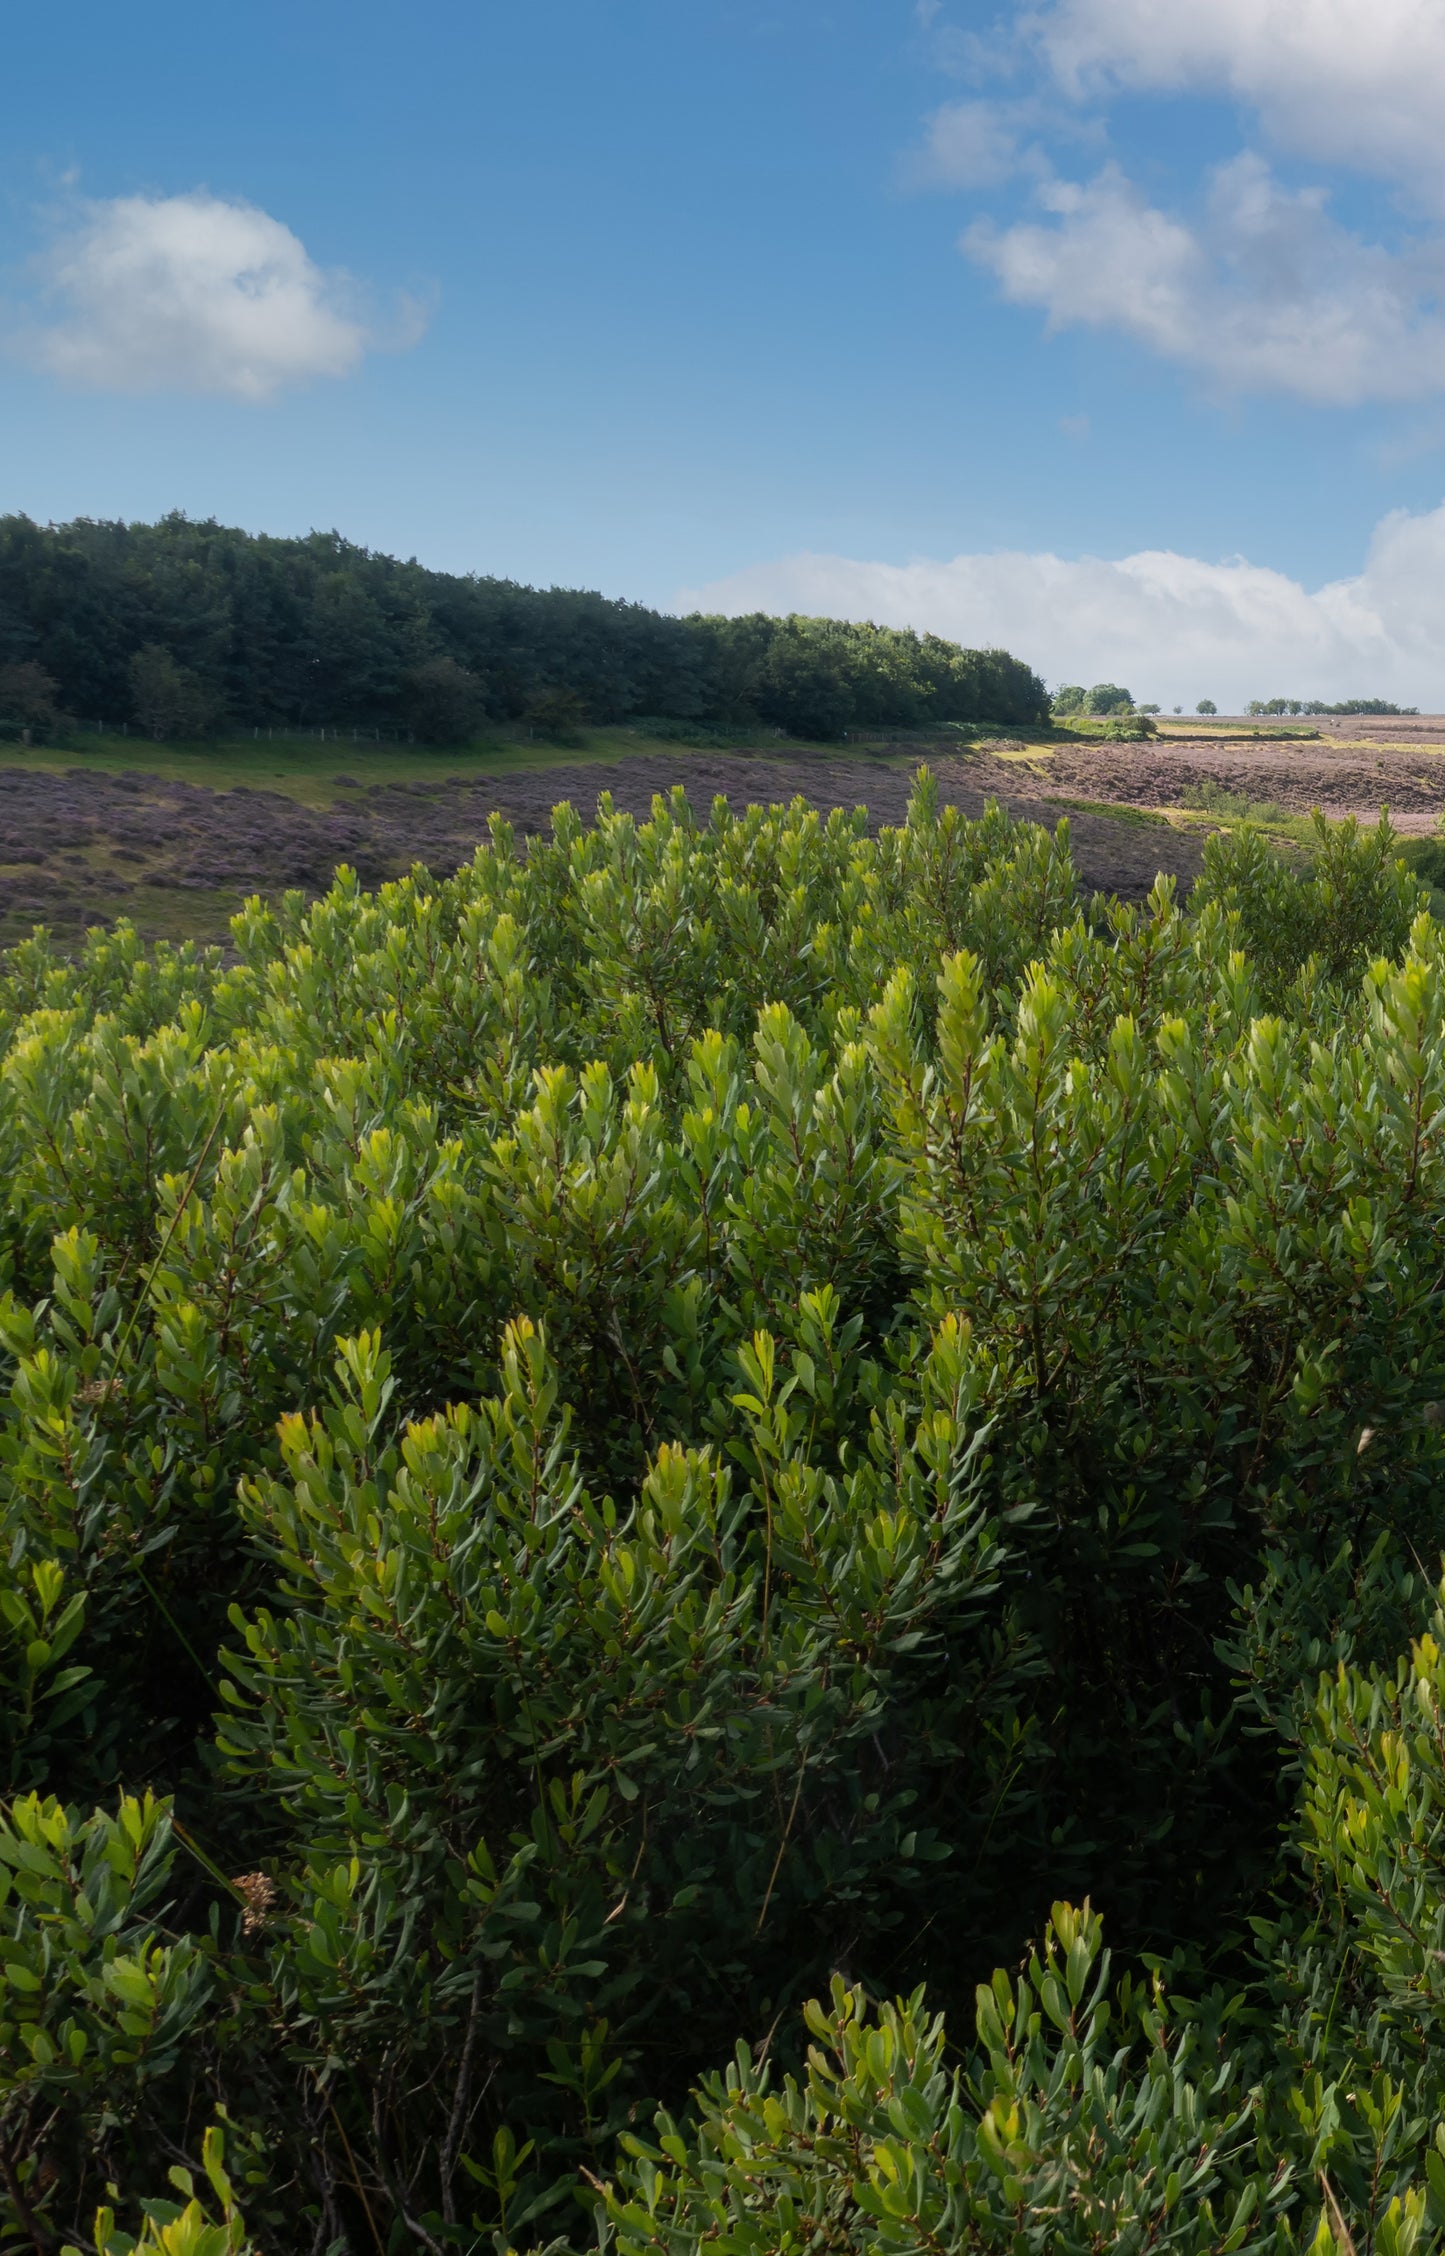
{"type": "Point", "coordinates": [676, 1448]}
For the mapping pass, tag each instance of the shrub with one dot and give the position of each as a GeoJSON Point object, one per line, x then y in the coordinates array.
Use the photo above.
{"type": "Point", "coordinates": [716, 1414]}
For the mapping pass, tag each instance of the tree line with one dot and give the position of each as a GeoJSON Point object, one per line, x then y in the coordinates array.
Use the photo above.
{"type": "Point", "coordinates": [1315, 705]}
{"type": "Point", "coordinates": [1109, 698]}
{"type": "Point", "coordinates": [184, 629]}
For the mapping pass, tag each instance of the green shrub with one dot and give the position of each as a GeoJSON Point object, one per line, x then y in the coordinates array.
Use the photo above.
{"type": "Point", "coordinates": [718, 1413]}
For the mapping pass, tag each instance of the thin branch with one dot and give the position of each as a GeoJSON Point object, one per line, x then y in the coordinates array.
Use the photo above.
{"type": "Point", "coordinates": [30, 2224]}
{"type": "Point", "coordinates": [447, 2159]}
{"type": "Point", "coordinates": [355, 2175]}
{"type": "Point", "coordinates": [1338, 2227]}
{"type": "Point", "coordinates": [782, 1845]}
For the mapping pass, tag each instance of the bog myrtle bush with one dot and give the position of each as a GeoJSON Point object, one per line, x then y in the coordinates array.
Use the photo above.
{"type": "Point", "coordinates": [727, 1440]}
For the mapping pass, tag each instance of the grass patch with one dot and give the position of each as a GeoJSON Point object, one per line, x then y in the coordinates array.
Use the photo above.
{"type": "Point", "coordinates": [317, 774]}
{"type": "Point", "coordinates": [1212, 798]}
{"type": "Point", "coordinates": [1144, 817]}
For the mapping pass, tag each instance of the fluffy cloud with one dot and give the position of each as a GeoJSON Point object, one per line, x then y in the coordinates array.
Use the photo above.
{"type": "Point", "coordinates": [189, 293]}
{"type": "Point", "coordinates": [1251, 283]}
{"type": "Point", "coordinates": [1355, 82]}
{"type": "Point", "coordinates": [1173, 627]}
{"type": "Point", "coordinates": [1270, 294]}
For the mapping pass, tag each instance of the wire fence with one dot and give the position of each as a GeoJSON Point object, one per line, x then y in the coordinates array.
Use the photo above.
{"type": "Point", "coordinates": [16, 732]}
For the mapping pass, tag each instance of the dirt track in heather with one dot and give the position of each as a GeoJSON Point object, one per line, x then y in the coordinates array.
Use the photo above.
{"type": "Point", "coordinates": [80, 846]}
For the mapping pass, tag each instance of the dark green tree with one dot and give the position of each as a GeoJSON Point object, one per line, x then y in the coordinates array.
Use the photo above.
{"type": "Point", "coordinates": [168, 700]}
{"type": "Point", "coordinates": [28, 700]}
{"type": "Point", "coordinates": [444, 701]}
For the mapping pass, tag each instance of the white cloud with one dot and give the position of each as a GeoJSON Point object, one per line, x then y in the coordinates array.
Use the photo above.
{"type": "Point", "coordinates": [189, 293]}
{"type": "Point", "coordinates": [965, 145]}
{"type": "Point", "coordinates": [1251, 283]}
{"type": "Point", "coordinates": [1174, 628]}
{"type": "Point", "coordinates": [1355, 82]}
{"type": "Point", "coordinates": [1269, 294]}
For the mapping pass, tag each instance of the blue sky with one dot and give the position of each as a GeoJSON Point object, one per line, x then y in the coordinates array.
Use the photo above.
{"type": "Point", "coordinates": [1085, 325]}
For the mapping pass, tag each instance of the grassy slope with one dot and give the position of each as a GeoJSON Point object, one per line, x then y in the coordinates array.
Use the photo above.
{"type": "Point", "coordinates": [308, 771]}
{"type": "Point", "coordinates": [316, 774]}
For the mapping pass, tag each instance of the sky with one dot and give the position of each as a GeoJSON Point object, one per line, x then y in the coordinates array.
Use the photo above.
{"type": "Point", "coordinates": [1109, 330]}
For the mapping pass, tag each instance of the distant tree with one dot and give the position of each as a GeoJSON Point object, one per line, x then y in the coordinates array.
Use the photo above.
{"type": "Point", "coordinates": [443, 701]}
{"type": "Point", "coordinates": [1146, 708]}
{"type": "Point", "coordinates": [1205, 705]}
{"type": "Point", "coordinates": [1108, 697]}
{"type": "Point", "coordinates": [1179, 708]}
{"type": "Point", "coordinates": [169, 700]}
{"type": "Point", "coordinates": [557, 714]}
{"type": "Point", "coordinates": [29, 700]}
{"type": "Point", "coordinates": [1069, 699]}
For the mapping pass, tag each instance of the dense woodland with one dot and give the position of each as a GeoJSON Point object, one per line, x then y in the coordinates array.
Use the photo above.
{"type": "Point", "coordinates": [181, 629]}
{"type": "Point", "coordinates": [668, 1450]}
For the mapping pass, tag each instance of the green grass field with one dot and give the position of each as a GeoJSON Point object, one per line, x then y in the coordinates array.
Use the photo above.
{"type": "Point", "coordinates": [309, 771]}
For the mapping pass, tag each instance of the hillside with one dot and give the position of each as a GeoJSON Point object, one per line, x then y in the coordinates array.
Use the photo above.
{"type": "Point", "coordinates": [182, 629]}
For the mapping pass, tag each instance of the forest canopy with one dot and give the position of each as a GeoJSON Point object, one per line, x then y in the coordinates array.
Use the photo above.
{"type": "Point", "coordinates": [652, 1491]}
{"type": "Point", "coordinates": [182, 627]}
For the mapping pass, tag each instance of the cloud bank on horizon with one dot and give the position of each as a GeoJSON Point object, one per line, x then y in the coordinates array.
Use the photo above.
{"type": "Point", "coordinates": [189, 293]}
{"type": "Point", "coordinates": [1252, 283]}
{"type": "Point", "coordinates": [1173, 628]}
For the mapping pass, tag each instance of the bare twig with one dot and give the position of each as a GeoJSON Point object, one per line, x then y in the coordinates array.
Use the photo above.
{"type": "Point", "coordinates": [41, 2240]}
{"type": "Point", "coordinates": [1338, 2227]}
{"type": "Point", "coordinates": [447, 2158]}
{"type": "Point", "coordinates": [355, 2175]}
{"type": "Point", "coordinates": [782, 1846]}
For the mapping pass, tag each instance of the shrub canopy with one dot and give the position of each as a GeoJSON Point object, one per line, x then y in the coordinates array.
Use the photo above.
{"type": "Point", "coordinates": [674, 1447]}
